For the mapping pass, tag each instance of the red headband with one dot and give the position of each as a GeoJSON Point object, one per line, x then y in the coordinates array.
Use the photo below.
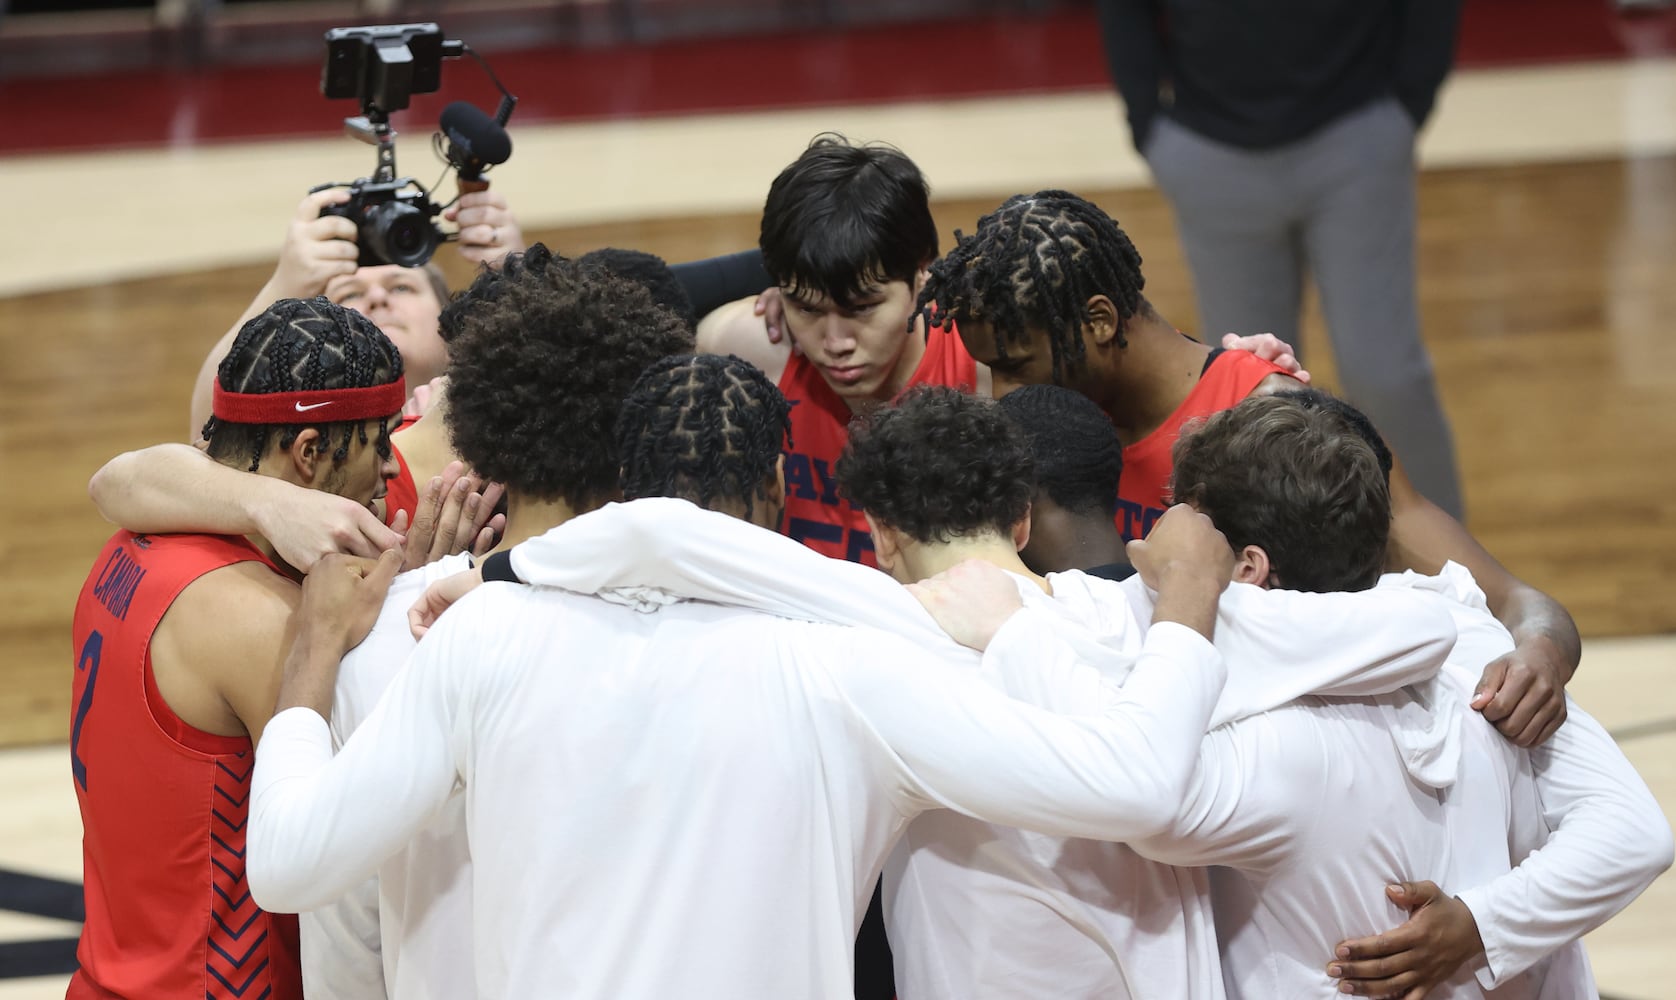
{"type": "Point", "coordinates": [315, 406]}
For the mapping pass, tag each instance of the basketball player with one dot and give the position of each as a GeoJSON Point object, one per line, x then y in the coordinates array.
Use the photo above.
{"type": "Point", "coordinates": [693, 756]}
{"type": "Point", "coordinates": [1049, 290]}
{"type": "Point", "coordinates": [537, 322]}
{"type": "Point", "coordinates": [179, 642]}
{"type": "Point", "coordinates": [1300, 488]}
{"type": "Point", "coordinates": [1079, 464]}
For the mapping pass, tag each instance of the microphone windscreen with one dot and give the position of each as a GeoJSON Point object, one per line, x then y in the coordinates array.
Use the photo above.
{"type": "Point", "coordinates": [475, 133]}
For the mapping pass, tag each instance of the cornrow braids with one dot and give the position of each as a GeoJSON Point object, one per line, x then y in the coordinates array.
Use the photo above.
{"type": "Point", "coordinates": [1033, 264]}
{"type": "Point", "coordinates": [1079, 460]}
{"type": "Point", "coordinates": [703, 428]}
{"type": "Point", "coordinates": [302, 345]}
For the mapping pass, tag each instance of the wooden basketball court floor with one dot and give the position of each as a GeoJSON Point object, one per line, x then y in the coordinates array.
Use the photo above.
{"type": "Point", "coordinates": [1548, 288]}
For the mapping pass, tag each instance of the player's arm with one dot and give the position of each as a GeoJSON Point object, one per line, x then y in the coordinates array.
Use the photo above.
{"type": "Point", "coordinates": [1609, 842]}
{"type": "Point", "coordinates": [1522, 693]}
{"type": "Point", "coordinates": [317, 249]}
{"type": "Point", "coordinates": [320, 824]}
{"type": "Point", "coordinates": [736, 329]}
{"type": "Point", "coordinates": [177, 488]}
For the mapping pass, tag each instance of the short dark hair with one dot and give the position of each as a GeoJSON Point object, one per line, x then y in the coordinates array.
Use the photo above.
{"type": "Point", "coordinates": [543, 352]}
{"type": "Point", "coordinates": [1296, 481]}
{"type": "Point", "coordinates": [650, 271]}
{"type": "Point", "coordinates": [702, 428]}
{"type": "Point", "coordinates": [1034, 263]}
{"type": "Point", "coordinates": [844, 217]}
{"type": "Point", "coordinates": [938, 464]}
{"type": "Point", "coordinates": [1315, 399]}
{"type": "Point", "coordinates": [1079, 459]}
{"type": "Point", "coordinates": [297, 345]}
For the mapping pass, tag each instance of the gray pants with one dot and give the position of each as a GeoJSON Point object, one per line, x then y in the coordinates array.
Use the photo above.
{"type": "Point", "coordinates": [1340, 202]}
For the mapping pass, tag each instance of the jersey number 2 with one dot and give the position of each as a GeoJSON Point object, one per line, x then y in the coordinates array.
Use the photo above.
{"type": "Point", "coordinates": [89, 661]}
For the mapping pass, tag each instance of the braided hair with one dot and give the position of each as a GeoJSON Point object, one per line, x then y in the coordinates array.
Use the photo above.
{"type": "Point", "coordinates": [302, 345]}
{"type": "Point", "coordinates": [704, 428]}
{"type": "Point", "coordinates": [1079, 459]}
{"type": "Point", "coordinates": [1033, 264]}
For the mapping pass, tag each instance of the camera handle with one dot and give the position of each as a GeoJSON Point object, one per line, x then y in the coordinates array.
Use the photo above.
{"type": "Point", "coordinates": [374, 130]}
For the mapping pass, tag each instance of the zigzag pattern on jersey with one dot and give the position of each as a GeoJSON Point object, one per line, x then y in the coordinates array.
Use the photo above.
{"type": "Point", "coordinates": [237, 964]}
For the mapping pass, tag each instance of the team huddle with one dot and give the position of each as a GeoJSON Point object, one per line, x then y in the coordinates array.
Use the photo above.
{"type": "Point", "coordinates": [612, 629]}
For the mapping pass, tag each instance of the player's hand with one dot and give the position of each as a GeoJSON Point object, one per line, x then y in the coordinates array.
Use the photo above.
{"type": "Point", "coordinates": [424, 397]}
{"type": "Point", "coordinates": [1183, 544]}
{"type": "Point", "coordinates": [439, 597]}
{"type": "Point", "coordinates": [306, 525]}
{"type": "Point", "coordinates": [317, 248]}
{"type": "Point", "coordinates": [342, 598]}
{"type": "Point", "coordinates": [970, 601]}
{"type": "Point", "coordinates": [1523, 693]}
{"type": "Point", "coordinates": [1271, 349]}
{"type": "Point", "coordinates": [488, 229]}
{"type": "Point", "coordinates": [1408, 962]}
{"type": "Point", "coordinates": [772, 308]}
{"type": "Point", "coordinates": [455, 514]}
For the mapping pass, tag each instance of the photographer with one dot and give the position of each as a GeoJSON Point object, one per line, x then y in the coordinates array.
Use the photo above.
{"type": "Point", "coordinates": [318, 258]}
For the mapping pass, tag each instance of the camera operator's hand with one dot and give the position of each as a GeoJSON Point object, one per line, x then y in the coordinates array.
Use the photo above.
{"type": "Point", "coordinates": [488, 230]}
{"type": "Point", "coordinates": [317, 248]}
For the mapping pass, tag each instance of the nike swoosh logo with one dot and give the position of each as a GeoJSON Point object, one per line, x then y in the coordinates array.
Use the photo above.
{"type": "Point", "coordinates": [312, 406]}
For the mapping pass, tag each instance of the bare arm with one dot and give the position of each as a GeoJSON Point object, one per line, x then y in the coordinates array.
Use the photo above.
{"type": "Point", "coordinates": [1522, 693]}
{"type": "Point", "coordinates": [175, 487]}
{"type": "Point", "coordinates": [736, 329]}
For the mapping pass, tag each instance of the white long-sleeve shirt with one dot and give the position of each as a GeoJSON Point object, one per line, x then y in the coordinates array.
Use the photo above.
{"type": "Point", "coordinates": [977, 909]}
{"type": "Point", "coordinates": [405, 933]}
{"type": "Point", "coordinates": [695, 801]}
{"type": "Point", "coordinates": [1585, 832]}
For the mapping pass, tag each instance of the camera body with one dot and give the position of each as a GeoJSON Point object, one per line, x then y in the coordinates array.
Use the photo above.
{"type": "Point", "coordinates": [394, 222]}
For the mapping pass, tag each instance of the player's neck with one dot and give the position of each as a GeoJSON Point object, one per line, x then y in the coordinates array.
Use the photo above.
{"type": "Point", "coordinates": [922, 561]}
{"type": "Point", "coordinates": [527, 519]}
{"type": "Point", "coordinates": [1069, 541]}
{"type": "Point", "coordinates": [1160, 368]}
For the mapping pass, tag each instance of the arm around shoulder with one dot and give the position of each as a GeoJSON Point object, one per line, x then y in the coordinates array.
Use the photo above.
{"type": "Point", "coordinates": [736, 329]}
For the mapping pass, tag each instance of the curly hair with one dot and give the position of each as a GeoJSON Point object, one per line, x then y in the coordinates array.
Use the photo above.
{"type": "Point", "coordinates": [1299, 482]}
{"type": "Point", "coordinates": [649, 270]}
{"type": "Point", "coordinates": [939, 464]}
{"type": "Point", "coordinates": [703, 428]}
{"type": "Point", "coordinates": [1033, 264]}
{"type": "Point", "coordinates": [1315, 399]}
{"type": "Point", "coordinates": [843, 217]}
{"type": "Point", "coordinates": [1079, 459]}
{"type": "Point", "coordinates": [298, 345]}
{"type": "Point", "coordinates": [543, 352]}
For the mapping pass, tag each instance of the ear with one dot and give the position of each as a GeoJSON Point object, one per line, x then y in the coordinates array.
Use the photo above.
{"type": "Point", "coordinates": [887, 545]}
{"type": "Point", "coordinates": [309, 460]}
{"type": "Point", "coordinates": [1021, 531]}
{"type": "Point", "coordinates": [1251, 565]}
{"type": "Point", "coordinates": [1101, 321]}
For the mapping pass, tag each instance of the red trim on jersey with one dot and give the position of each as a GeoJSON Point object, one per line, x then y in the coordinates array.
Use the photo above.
{"type": "Point", "coordinates": [815, 514]}
{"type": "Point", "coordinates": [1147, 464]}
{"type": "Point", "coordinates": [313, 406]}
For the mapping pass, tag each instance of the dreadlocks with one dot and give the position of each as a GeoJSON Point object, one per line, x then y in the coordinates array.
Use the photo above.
{"type": "Point", "coordinates": [301, 345]}
{"type": "Point", "coordinates": [1033, 264]}
{"type": "Point", "coordinates": [703, 428]}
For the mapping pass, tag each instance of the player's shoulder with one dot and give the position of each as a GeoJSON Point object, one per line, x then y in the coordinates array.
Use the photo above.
{"type": "Point", "coordinates": [736, 329]}
{"type": "Point", "coordinates": [234, 606]}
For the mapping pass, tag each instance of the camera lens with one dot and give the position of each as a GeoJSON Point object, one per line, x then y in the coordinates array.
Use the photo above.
{"type": "Point", "coordinates": [400, 233]}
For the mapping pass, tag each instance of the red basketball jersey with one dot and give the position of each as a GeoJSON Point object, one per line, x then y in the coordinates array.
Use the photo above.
{"type": "Point", "coordinates": [402, 493]}
{"type": "Point", "coordinates": [1228, 378]}
{"type": "Point", "coordinates": [163, 805]}
{"type": "Point", "coordinates": [815, 514]}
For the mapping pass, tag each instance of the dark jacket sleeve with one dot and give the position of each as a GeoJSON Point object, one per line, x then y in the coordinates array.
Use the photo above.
{"type": "Point", "coordinates": [1425, 53]}
{"type": "Point", "coordinates": [1132, 34]}
{"type": "Point", "coordinates": [715, 281]}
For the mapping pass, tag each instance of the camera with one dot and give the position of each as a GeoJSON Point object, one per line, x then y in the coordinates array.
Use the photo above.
{"type": "Point", "coordinates": [382, 66]}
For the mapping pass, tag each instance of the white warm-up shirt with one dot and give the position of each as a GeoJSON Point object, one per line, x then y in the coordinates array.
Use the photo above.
{"type": "Point", "coordinates": [695, 801]}
{"type": "Point", "coordinates": [1584, 830]}
{"type": "Point", "coordinates": [981, 910]}
{"type": "Point", "coordinates": [405, 933]}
